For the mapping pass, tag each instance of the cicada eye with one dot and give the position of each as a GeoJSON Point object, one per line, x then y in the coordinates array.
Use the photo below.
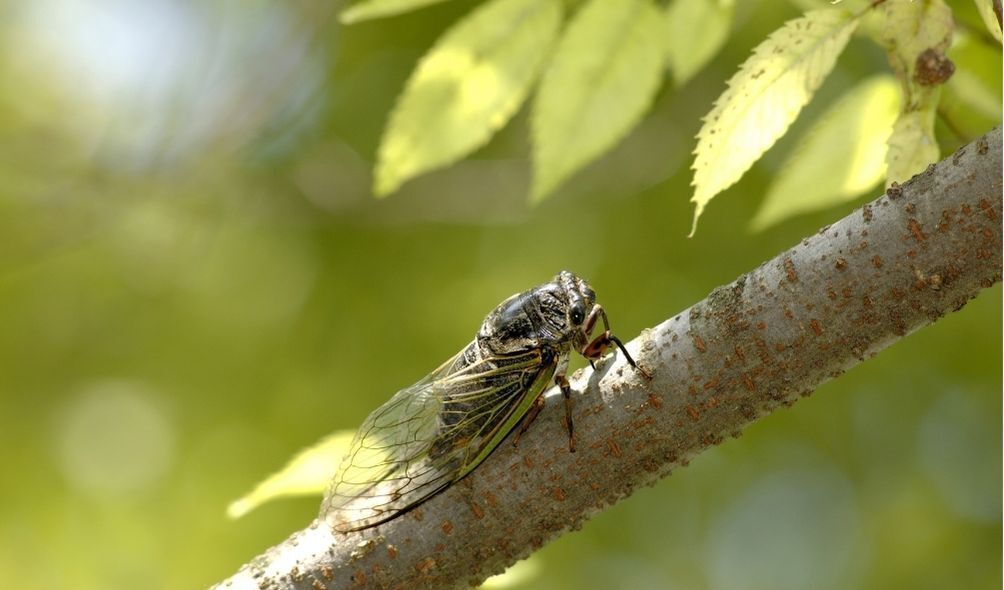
{"type": "Point", "coordinates": [577, 315]}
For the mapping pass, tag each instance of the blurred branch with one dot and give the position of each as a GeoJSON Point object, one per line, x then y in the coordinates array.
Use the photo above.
{"type": "Point", "coordinates": [770, 337]}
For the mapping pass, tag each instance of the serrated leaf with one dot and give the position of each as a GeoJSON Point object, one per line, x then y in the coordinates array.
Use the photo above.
{"type": "Point", "coordinates": [602, 78]}
{"type": "Point", "coordinates": [371, 9]}
{"type": "Point", "coordinates": [911, 28]}
{"type": "Point", "coordinates": [308, 473]}
{"type": "Point", "coordinates": [466, 88]}
{"type": "Point", "coordinates": [986, 10]}
{"type": "Point", "coordinates": [695, 32]}
{"type": "Point", "coordinates": [841, 156]}
{"type": "Point", "coordinates": [764, 97]}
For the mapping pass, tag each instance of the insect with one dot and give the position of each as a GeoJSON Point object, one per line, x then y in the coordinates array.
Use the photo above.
{"type": "Point", "coordinates": [435, 432]}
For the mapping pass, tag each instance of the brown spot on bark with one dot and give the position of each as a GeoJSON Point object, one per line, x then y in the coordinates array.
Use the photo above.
{"type": "Point", "coordinates": [426, 565]}
{"type": "Point", "coordinates": [988, 209]}
{"type": "Point", "coordinates": [841, 264]}
{"type": "Point", "coordinates": [327, 572]}
{"type": "Point", "coordinates": [945, 223]}
{"type": "Point", "coordinates": [477, 510]}
{"type": "Point", "coordinates": [391, 551]}
{"type": "Point", "coordinates": [615, 449]}
{"type": "Point", "coordinates": [447, 527]}
{"type": "Point", "coordinates": [789, 269]}
{"type": "Point", "coordinates": [915, 230]}
{"type": "Point", "coordinates": [877, 261]}
{"type": "Point", "coordinates": [748, 383]}
{"type": "Point", "coordinates": [559, 494]}
{"type": "Point", "coordinates": [699, 343]}
{"type": "Point", "coordinates": [693, 413]}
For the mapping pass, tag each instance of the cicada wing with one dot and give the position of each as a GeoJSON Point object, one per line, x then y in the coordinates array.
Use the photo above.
{"type": "Point", "coordinates": [387, 465]}
{"type": "Point", "coordinates": [429, 435]}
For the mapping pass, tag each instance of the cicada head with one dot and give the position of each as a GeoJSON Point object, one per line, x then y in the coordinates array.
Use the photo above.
{"type": "Point", "coordinates": [580, 310]}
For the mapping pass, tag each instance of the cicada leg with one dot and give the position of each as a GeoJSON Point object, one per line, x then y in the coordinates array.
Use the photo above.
{"type": "Point", "coordinates": [595, 349]}
{"type": "Point", "coordinates": [566, 392]}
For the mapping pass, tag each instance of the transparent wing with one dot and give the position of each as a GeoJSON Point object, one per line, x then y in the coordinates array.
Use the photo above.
{"type": "Point", "coordinates": [431, 434]}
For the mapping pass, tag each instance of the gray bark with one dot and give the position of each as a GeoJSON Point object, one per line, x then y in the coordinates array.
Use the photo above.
{"type": "Point", "coordinates": [772, 336]}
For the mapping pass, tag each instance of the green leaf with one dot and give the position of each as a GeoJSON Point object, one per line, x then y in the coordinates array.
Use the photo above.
{"type": "Point", "coordinates": [306, 474]}
{"type": "Point", "coordinates": [764, 97]}
{"type": "Point", "coordinates": [911, 28]}
{"type": "Point", "coordinates": [466, 88]}
{"type": "Point", "coordinates": [604, 74]}
{"type": "Point", "coordinates": [695, 31]}
{"type": "Point", "coordinates": [912, 145]}
{"type": "Point", "coordinates": [841, 157]}
{"type": "Point", "coordinates": [986, 10]}
{"type": "Point", "coordinates": [371, 9]}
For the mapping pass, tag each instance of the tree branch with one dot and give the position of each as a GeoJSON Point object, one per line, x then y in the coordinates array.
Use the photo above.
{"type": "Point", "coordinates": [773, 335]}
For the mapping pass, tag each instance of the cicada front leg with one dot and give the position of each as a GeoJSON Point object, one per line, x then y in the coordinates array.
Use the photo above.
{"type": "Point", "coordinates": [598, 346]}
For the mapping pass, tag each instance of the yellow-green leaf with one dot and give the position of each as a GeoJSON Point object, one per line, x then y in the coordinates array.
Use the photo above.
{"type": "Point", "coordinates": [695, 31]}
{"type": "Point", "coordinates": [912, 146]}
{"type": "Point", "coordinates": [911, 28]}
{"type": "Point", "coordinates": [986, 10]}
{"type": "Point", "coordinates": [466, 88]}
{"type": "Point", "coordinates": [841, 156]}
{"type": "Point", "coordinates": [306, 474]}
{"type": "Point", "coordinates": [604, 74]}
{"type": "Point", "coordinates": [370, 9]}
{"type": "Point", "coordinates": [764, 97]}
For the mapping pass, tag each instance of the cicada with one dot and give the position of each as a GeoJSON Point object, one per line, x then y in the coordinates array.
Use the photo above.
{"type": "Point", "coordinates": [435, 432]}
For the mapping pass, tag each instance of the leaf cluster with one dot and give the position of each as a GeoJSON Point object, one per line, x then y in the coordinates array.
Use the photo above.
{"type": "Point", "coordinates": [590, 71]}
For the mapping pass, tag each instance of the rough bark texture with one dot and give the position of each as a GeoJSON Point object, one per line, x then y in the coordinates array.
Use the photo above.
{"type": "Point", "coordinates": [772, 336]}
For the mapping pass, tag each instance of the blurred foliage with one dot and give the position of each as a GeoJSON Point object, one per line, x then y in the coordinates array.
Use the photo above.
{"type": "Point", "coordinates": [195, 282]}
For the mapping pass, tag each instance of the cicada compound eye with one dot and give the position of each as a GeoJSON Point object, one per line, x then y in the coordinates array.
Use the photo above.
{"type": "Point", "coordinates": [577, 314]}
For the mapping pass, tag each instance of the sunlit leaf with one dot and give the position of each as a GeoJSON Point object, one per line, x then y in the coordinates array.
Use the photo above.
{"type": "Point", "coordinates": [986, 10]}
{"type": "Point", "coordinates": [370, 9]}
{"type": "Point", "coordinates": [911, 28]}
{"type": "Point", "coordinates": [912, 146]}
{"type": "Point", "coordinates": [764, 97]}
{"type": "Point", "coordinates": [695, 31]}
{"type": "Point", "coordinates": [604, 74]}
{"type": "Point", "coordinates": [520, 573]}
{"type": "Point", "coordinates": [841, 156]}
{"type": "Point", "coordinates": [466, 88]}
{"type": "Point", "coordinates": [307, 474]}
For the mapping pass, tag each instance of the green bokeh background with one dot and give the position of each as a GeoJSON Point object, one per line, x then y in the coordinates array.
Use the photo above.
{"type": "Point", "coordinates": [195, 283]}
